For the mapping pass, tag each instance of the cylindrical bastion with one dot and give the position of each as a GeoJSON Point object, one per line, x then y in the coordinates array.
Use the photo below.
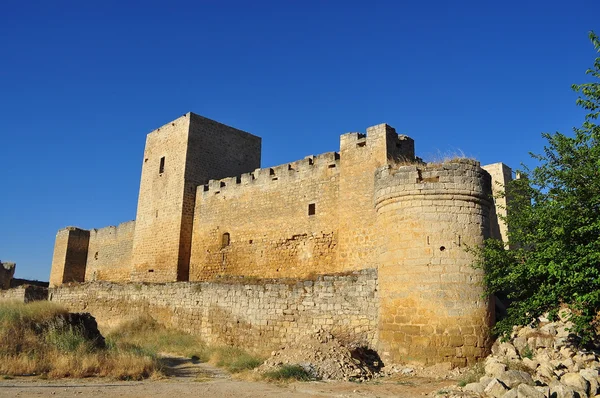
{"type": "Point", "coordinates": [432, 304]}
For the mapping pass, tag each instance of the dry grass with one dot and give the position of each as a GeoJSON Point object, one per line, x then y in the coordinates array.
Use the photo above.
{"type": "Point", "coordinates": [33, 341]}
{"type": "Point", "coordinates": [146, 335]}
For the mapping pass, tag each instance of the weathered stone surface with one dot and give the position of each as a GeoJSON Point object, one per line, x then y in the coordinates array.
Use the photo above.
{"type": "Point", "coordinates": [558, 390]}
{"type": "Point", "coordinates": [495, 369]}
{"type": "Point", "coordinates": [528, 391]}
{"type": "Point", "coordinates": [576, 381]}
{"type": "Point", "coordinates": [475, 387]}
{"type": "Point", "coordinates": [246, 312]}
{"type": "Point", "coordinates": [591, 376]}
{"type": "Point", "coordinates": [530, 363]}
{"type": "Point", "coordinates": [512, 378]}
{"type": "Point", "coordinates": [495, 389]}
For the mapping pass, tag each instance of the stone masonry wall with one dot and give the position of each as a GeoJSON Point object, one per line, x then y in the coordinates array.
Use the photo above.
{"type": "Point", "coordinates": [360, 156]}
{"type": "Point", "coordinates": [24, 294]}
{"type": "Point", "coordinates": [432, 305]}
{"type": "Point", "coordinates": [70, 256]}
{"type": "Point", "coordinates": [178, 157]}
{"type": "Point", "coordinates": [109, 253]}
{"type": "Point", "coordinates": [259, 314]}
{"type": "Point", "coordinates": [501, 174]}
{"type": "Point", "coordinates": [260, 224]}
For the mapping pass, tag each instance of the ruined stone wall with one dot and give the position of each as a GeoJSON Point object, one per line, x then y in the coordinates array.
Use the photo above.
{"type": "Point", "coordinates": [70, 256]}
{"type": "Point", "coordinates": [251, 313]}
{"type": "Point", "coordinates": [7, 271]}
{"type": "Point", "coordinates": [432, 307]}
{"type": "Point", "coordinates": [24, 294]}
{"type": "Point", "coordinates": [109, 253]}
{"type": "Point", "coordinates": [177, 158]}
{"type": "Point", "coordinates": [501, 174]}
{"type": "Point", "coordinates": [274, 222]}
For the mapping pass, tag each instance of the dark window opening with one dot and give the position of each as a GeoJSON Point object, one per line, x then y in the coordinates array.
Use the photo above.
{"type": "Point", "coordinates": [150, 270]}
{"type": "Point", "coordinates": [311, 209]}
{"type": "Point", "coordinates": [161, 168]}
{"type": "Point", "coordinates": [96, 256]}
{"type": "Point", "coordinates": [442, 248]}
{"type": "Point", "coordinates": [225, 240]}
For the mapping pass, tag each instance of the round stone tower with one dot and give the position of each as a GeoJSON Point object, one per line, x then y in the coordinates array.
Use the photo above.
{"type": "Point", "coordinates": [432, 304]}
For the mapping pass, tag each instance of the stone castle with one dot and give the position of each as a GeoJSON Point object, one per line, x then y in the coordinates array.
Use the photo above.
{"type": "Point", "coordinates": [368, 242]}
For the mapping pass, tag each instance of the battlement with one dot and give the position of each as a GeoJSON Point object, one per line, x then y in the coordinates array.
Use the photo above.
{"type": "Point", "coordinates": [449, 180]}
{"type": "Point", "coordinates": [282, 173]}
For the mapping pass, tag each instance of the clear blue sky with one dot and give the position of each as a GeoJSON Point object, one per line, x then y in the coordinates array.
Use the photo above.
{"type": "Point", "coordinates": [83, 82]}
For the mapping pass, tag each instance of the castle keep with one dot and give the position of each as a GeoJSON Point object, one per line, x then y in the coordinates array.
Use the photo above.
{"type": "Point", "coordinates": [368, 241]}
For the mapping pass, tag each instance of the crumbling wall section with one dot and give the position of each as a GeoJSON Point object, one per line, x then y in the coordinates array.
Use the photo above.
{"type": "Point", "coordinates": [70, 256]}
{"type": "Point", "coordinates": [109, 253]}
{"type": "Point", "coordinates": [250, 313]}
{"type": "Point", "coordinates": [24, 294]}
{"type": "Point", "coordinates": [7, 271]}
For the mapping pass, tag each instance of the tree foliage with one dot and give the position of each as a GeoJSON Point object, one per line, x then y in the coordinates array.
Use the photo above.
{"type": "Point", "coordinates": [553, 214]}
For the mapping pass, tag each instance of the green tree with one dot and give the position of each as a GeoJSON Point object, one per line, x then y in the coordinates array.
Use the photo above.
{"type": "Point", "coordinates": [554, 227]}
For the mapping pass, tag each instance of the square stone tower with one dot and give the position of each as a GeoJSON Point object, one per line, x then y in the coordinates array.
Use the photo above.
{"type": "Point", "coordinates": [178, 157]}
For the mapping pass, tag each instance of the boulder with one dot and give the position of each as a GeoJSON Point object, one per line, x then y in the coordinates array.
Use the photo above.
{"type": "Point", "coordinates": [513, 378]}
{"type": "Point", "coordinates": [527, 391]}
{"type": "Point", "coordinates": [591, 376]}
{"type": "Point", "coordinates": [530, 363]}
{"type": "Point", "coordinates": [576, 381]}
{"type": "Point", "coordinates": [475, 387]}
{"type": "Point", "coordinates": [495, 369]}
{"type": "Point", "coordinates": [495, 389]}
{"type": "Point", "coordinates": [558, 390]}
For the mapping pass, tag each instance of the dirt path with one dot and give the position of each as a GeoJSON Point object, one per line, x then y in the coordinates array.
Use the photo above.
{"type": "Point", "coordinates": [187, 378]}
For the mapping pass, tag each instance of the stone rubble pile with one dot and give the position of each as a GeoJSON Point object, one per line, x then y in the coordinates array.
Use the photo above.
{"type": "Point", "coordinates": [325, 358]}
{"type": "Point", "coordinates": [537, 362]}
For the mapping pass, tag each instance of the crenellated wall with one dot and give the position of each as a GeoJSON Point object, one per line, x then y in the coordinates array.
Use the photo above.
{"type": "Point", "coordinates": [260, 224]}
{"type": "Point", "coordinates": [109, 253]}
{"type": "Point", "coordinates": [432, 307]}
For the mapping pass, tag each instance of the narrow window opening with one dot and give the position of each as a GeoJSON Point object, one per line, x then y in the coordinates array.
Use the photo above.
{"type": "Point", "coordinates": [225, 239]}
{"type": "Point", "coordinates": [161, 168]}
{"type": "Point", "coordinates": [428, 240]}
{"type": "Point", "coordinates": [311, 209]}
{"type": "Point", "coordinates": [150, 270]}
{"type": "Point", "coordinates": [156, 213]}
{"type": "Point", "coordinates": [96, 256]}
